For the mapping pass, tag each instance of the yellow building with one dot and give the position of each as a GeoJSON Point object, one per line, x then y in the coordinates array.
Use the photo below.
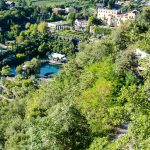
{"type": "Point", "coordinates": [113, 17]}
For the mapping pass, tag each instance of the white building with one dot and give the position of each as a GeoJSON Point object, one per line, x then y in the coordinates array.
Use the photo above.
{"type": "Point", "coordinates": [70, 9]}
{"type": "Point", "coordinates": [10, 3]}
{"type": "Point", "coordinates": [141, 54]}
{"type": "Point", "coordinates": [80, 24]}
{"type": "Point", "coordinates": [59, 25]}
{"type": "Point", "coordinates": [2, 46]}
{"type": "Point", "coordinates": [57, 57]}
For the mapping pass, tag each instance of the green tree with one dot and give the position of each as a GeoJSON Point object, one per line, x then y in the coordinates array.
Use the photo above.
{"type": "Point", "coordinates": [127, 62]}
{"type": "Point", "coordinates": [69, 127]}
{"type": "Point", "coordinates": [19, 39]}
{"type": "Point", "coordinates": [62, 128]}
{"type": "Point", "coordinates": [14, 32]}
{"type": "Point", "coordinates": [99, 144]}
{"type": "Point", "coordinates": [27, 26]}
{"type": "Point", "coordinates": [111, 4]}
{"type": "Point", "coordinates": [94, 21]}
{"type": "Point", "coordinates": [42, 27]}
{"type": "Point", "coordinates": [21, 2]}
{"type": "Point", "coordinates": [1, 38]}
{"type": "Point", "coordinates": [6, 71]}
{"type": "Point", "coordinates": [55, 17]}
{"type": "Point", "coordinates": [71, 18]}
{"type": "Point", "coordinates": [2, 5]}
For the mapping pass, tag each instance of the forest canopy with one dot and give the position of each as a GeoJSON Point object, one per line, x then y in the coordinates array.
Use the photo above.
{"type": "Point", "coordinates": [100, 100]}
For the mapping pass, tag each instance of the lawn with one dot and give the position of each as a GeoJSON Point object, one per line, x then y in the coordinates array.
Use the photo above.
{"type": "Point", "coordinates": [50, 2]}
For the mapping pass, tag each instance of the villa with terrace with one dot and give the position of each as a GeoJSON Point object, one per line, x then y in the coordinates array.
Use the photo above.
{"type": "Point", "coordinates": [113, 17]}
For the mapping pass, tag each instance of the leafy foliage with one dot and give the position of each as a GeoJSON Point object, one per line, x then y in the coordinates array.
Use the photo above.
{"type": "Point", "coordinates": [87, 105]}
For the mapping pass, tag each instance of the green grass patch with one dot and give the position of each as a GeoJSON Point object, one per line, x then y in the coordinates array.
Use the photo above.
{"type": "Point", "coordinates": [45, 3]}
{"type": "Point", "coordinates": [49, 2]}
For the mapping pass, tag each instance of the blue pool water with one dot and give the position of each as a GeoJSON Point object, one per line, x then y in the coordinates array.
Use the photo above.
{"type": "Point", "coordinates": [49, 69]}
{"type": "Point", "coordinates": [13, 71]}
{"type": "Point", "coordinates": [44, 70]}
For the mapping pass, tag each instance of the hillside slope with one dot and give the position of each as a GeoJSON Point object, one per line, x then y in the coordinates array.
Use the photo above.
{"type": "Point", "coordinates": [98, 92]}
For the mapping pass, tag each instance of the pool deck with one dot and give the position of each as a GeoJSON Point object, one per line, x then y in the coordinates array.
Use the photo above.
{"type": "Point", "coordinates": [55, 62]}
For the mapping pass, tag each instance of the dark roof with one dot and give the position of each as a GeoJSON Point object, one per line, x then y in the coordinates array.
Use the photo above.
{"type": "Point", "coordinates": [100, 5]}
{"type": "Point", "coordinates": [117, 6]}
